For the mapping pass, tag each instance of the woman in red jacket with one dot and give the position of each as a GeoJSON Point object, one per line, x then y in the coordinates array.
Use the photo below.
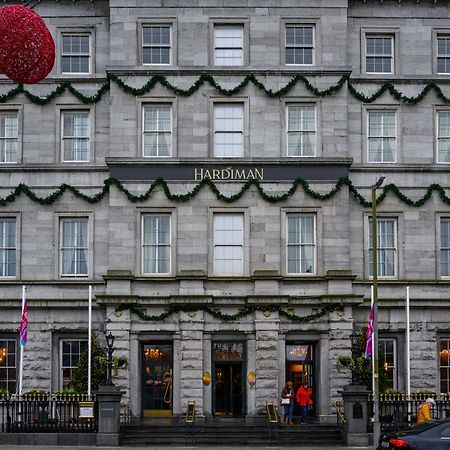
{"type": "Point", "coordinates": [304, 399]}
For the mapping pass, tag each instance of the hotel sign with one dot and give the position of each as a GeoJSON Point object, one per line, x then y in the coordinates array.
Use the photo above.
{"type": "Point", "coordinates": [179, 171]}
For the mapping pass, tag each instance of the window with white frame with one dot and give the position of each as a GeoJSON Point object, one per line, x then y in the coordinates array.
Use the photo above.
{"type": "Point", "coordinates": [8, 365]}
{"type": "Point", "coordinates": [228, 45]}
{"type": "Point", "coordinates": [229, 130]}
{"type": "Point", "coordinates": [7, 247]}
{"type": "Point", "coordinates": [301, 244]}
{"type": "Point", "coordinates": [9, 136]}
{"type": "Point", "coordinates": [70, 352]}
{"type": "Point", "coordinates": [381, 136]}
{"type": "Point", "coordinates": [301, 130]}
{"type": "Point", "coordinates": [445, 246]}
{"type": "Point", "coordinates": [74, 246]}
{"type": "Point", "coordinates": [157, 44]}
{"type": "Point", "coordinates": [76, 53]}
{"type": "Point", "coordinates": [444, 365]}
{"type": "Point", "coordinates": [299, 45]}
{"type": "Point", "coordinates": [228, 244]}
{"type": "Point", "coordinates": [157, 130]}
{"type": "Point", "coordinates": [75, 136]}
{"type": "Point", "coordinates": [387, 247]}
{"type": "Point", "coordinates": [388, 361]}
{"type": "Point", "coordinates": [156, 244]}
{"type": "Point", "coordinates": [443, 54]}
{"type": "Point", "coordinates": [379, 53]}
{"type": "Point", "coordinates": [443, 136]}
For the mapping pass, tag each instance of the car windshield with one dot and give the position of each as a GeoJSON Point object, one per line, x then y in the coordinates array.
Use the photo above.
{"type": "Point", "coordinates": [420, 427]}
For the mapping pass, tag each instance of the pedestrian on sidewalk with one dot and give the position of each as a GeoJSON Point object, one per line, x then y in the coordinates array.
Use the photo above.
{"type": "Point", "coordinates": [287, 401]}
{"type": "Point", "coordinates": [304, 399]}
{"type": "Point", "coordinates": [424, 412]}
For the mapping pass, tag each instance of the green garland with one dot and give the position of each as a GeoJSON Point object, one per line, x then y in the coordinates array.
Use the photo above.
{"type": "Point", "coordinates": [206, 182]}
{"type": "Point", "coordinates": [217, 314]}
{"type": "Point", "coordinates": [209, 79]}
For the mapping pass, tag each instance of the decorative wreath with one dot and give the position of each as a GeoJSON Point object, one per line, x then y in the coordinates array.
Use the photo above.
{"type": "Point", "coordinates": [27, 49]}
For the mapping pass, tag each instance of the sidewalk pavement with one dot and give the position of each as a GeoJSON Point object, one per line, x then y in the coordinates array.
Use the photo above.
{"type": "Point", "coordinates": [285, 447]}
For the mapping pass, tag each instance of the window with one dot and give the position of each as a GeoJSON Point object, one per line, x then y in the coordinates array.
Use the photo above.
{"type": "Point", "coordinates": [8, 360]}
{"type": "Point", "coordinates": [229, 244]}
{"type": "Point", "coordinates": [387, 247]}
{"type": "Point", "coordinates": [301, 130]}
{"type": "Point", "coordinates": [7, 247]}
{"type": "Point", "coordinates": [443, 136]}
{"type": "Point", "coordinates": [379, 54]}
{"type": "Point", "coordinates": [76, 53]}
{"type": "Point", "coordinates": [443, 54]}
{"type": "Point", "coordinates": [157, 130]}
{"type": "Point", "coordinates": [301, 244]}
{"type": "Point", "coordinates": [156, 244]}
{"type": "Point", "coordinates": [300, 45]}
{"type": "Point", "coordinates": [444, 365]}
{"type": "Point", "coordinates": [228, 45]}
{"type": "Point", "coordinates": [157, 44]}
{"type": "Point", "coordinates": [388, 358]}
{"type": "Point", "coordinates": [74, 247]}
{"type": "Point", "coordinates": [229, 130]}
{"type": "Point", "coordinates": [445, 247]}
{"type": "Point", "coordinates": [381, 136]}
{"type": "Point", "coordinates": [9, 136]}
{"type": "Point", "coordinates": [70, 351]}
{"type": "Point", "coordinates": [75, 136]}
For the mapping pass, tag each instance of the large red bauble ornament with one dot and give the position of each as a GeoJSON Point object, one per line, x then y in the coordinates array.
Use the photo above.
{"type": "Point", "coordinates": [27, 49]}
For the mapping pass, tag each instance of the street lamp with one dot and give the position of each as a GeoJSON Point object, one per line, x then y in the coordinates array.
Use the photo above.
{"type": "Point", "coordinates": [376, 400]}
{"type": "Point", "coordinates": [109, 351]}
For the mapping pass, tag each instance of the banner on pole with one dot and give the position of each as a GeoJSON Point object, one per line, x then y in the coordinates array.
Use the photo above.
{"type": "Point", "coordinates": [369, 335]}
{"type": "Point", "coordinates": [23, 331]}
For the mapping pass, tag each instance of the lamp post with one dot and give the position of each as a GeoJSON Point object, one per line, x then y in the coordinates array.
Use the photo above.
{"type": "Point", "coordinates": [376, 400]}
{"type": "Point", "coordinates": [109, 351]}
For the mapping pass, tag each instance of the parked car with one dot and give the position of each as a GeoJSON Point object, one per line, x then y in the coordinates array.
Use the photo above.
{"type": "Point", "coordinates": [432, 435]}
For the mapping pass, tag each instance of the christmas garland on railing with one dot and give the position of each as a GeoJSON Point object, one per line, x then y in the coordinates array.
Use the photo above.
{"type": "Point", "coordinates": [206, 182]}
{"type": "Point", "coordinates": [209, 79]}
{"type": "Point", "coordinates": [217, 314]}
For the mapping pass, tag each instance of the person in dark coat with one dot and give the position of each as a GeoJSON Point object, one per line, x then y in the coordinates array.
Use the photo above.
{"type": "Point", "coordinates": [287, 400]}
{"type": "Point", "coordinates": [304, 399]}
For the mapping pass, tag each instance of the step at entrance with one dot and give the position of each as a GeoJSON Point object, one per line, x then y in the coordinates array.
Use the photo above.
{"type": "Point", "coordinates": [228, 434]}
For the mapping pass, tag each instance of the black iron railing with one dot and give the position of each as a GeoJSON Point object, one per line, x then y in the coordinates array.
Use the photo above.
{"type": "Point", "coordinates": [45, 413]}
{"type": "Point", "coordinates": [399, 411]}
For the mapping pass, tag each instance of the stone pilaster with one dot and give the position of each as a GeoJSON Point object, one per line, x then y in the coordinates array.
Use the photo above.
{"type": "Point", "coordinates": [266, 327]}
{"type": "Point", "coordinates": [191, 363]}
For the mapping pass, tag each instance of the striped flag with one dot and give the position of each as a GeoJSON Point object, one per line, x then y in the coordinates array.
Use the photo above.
{"type": "Point", "coordinates": [369, 336]}
{"type": "Point", "coordinates": [23, 331]}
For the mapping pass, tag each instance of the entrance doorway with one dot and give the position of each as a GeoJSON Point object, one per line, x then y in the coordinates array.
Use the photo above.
{"type": "Point", "coordinates": [300, 367]}
{"type": "Point", "coordinates": [157, 375]}
{"type": "Point", "coordinates": [228, 381]}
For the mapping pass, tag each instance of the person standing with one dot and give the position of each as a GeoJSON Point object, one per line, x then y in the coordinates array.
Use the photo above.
{"type": "Point", "coordinates": [287, 400]}
{"type": "Point", "coordinates": [424, 412]}
{"type": "Point", "coordinates": [304, 399]}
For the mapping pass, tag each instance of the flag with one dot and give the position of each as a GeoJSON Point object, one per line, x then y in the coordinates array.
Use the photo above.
{"type": "Point", "coordinates": [369, 335]}
{"type": "Point", "coordinates": [23, 331]}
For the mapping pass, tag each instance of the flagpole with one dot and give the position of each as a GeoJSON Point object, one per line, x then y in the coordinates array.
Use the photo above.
{"type": "Point", "coordinates": [89, 341]}
{"type": "Point", "coordinates": [408, 358]}
{"type": "Point", "coordinates": [22, 347]}
{"type": "Point", "coordinates": [373, 345]}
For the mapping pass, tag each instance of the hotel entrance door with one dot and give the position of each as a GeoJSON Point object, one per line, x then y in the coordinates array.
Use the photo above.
{"type": "Point", "coordinates": [300, 367]}
{"type": "Point", "coordinates": [157, 361]}
{"type": "Point", "coordinates": [228, 382]}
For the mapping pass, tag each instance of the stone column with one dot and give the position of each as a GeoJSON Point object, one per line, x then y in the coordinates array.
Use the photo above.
{"type": "Point", "coordinates": [191, 361]}
{"type": "Point", "coordinates": [266, 327]}
{"type": "Point", "coordinates": [356, 413]}
{"type": "Point", "coordinates": [108, 398]}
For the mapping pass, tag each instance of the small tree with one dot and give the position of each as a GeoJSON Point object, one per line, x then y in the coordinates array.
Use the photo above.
{"type": "Point", "coordinates": [79, 382]}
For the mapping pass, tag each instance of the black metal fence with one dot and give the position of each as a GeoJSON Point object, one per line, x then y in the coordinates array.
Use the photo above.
{"type": "Point", "coordinates": [399, 411]}
{"type": "Point", "coordinates": [45, 413]}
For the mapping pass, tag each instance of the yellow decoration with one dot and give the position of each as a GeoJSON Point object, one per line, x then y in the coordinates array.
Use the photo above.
{"type": "Point", "coordinates": [206, 378]}
{"type": "Point", "coordinates": [251, 378]}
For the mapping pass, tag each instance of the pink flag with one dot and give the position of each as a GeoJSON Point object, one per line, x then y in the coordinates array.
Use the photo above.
{"type": "Point", "coordinates": [23, 332]}
{"type": "Point", "coordinates": [369, 335]}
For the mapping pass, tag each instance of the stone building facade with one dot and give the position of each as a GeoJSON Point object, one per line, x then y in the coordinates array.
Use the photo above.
{"type": "Point", "coordinates": [294, 272]}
